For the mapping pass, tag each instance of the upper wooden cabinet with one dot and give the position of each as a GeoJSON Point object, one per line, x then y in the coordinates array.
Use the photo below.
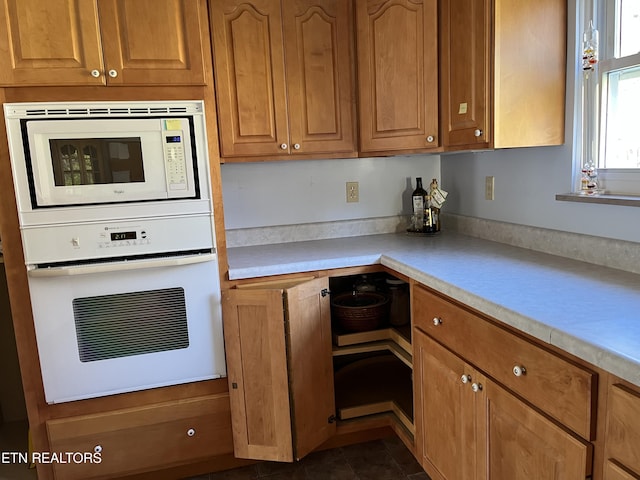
{"type": "Point", "coordinates": [108, 42]}
{"type": "Point", "coordinates": [284, 77]}
{"type": "Point", "coordinates": [397, 74]}
{"type": "Point", "coordinates": [502, 73]}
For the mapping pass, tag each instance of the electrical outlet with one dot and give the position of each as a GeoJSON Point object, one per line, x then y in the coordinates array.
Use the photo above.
{"type": "Point", "coordinates": [353, 192]}
{"type": "Point", "coordinates": [489, 186]}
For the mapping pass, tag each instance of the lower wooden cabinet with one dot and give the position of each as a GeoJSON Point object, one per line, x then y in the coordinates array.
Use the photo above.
{"type": "Point", "coordinates": [141, 439]}
{"type": "Point", "coordinates": [279, 364]}
{"type": "Point", "coordinates": [292, 376]}
{"type": "Point", "coordinates": [622, 441]}
{"type": "Point", "coordinates": [468, 427]}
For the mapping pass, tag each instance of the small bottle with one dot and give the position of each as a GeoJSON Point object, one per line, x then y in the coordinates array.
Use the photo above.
{"type": "Point", "coordinates": [433, 211]}
{"type": "Point", "coordinates": [419, 197]}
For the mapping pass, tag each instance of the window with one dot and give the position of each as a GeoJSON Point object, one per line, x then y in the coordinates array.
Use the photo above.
{"type": "Point", "coordinates": [611, 95]}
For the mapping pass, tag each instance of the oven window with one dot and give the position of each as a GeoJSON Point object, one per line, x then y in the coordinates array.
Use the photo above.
{"type": "Point", "coordinates": [127, 324]}
{"type": "Point", "coordinates": [88, 161]}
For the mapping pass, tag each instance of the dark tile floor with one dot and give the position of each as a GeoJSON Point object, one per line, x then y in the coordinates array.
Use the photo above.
{"type": "Point", "coordinates": [386, 459]}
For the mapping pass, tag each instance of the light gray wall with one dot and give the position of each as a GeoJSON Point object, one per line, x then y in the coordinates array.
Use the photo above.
{"type": "Point", "coordinates": [527, 179]}
{"type": "Point", "coordinates": [310, 191]}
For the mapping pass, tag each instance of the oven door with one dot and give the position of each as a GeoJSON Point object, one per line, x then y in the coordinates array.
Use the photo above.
{"type": "Point", "coordinates": [112, 328]}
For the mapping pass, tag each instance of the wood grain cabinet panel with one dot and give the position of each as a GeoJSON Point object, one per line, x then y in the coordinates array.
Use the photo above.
{"type": "Point", "coordinates": [623, 430]}
{"type": "Point", "coordinates": [470, 428]}
{"type": "Point", "coordinates": [284, 78]}
{"type": "Point", "coordinates": [560, 388]}
{"type": "Point", "coordinates": [103, 42]}
{"type": "Point", "coordinates": [280, 370]}
{"type": "Point", "coordinates": [143, 438]}
{"type": "Point", "coordinates": [397, 74]}
{"type": "Point", "coordinates": [502, 73]}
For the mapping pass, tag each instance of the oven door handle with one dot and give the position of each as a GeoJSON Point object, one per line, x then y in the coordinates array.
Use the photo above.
{"type": "Point", "coordinates": [119, 266]}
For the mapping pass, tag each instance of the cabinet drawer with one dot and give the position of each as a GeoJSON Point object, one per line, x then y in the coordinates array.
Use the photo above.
{"type": "Point", "coordinates": [142, 438]}
{"type": "Point", "coordinates": [558, 387]}
{"type": "Point", "coordinates": [623, 427]}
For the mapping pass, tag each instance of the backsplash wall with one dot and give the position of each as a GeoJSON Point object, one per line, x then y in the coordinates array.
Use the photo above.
{"type": "Point", "coordinates": [314, 191]}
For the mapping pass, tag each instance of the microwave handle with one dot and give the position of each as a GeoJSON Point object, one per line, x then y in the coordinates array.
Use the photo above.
{"type": "Point", "coordinates": [118, 266]}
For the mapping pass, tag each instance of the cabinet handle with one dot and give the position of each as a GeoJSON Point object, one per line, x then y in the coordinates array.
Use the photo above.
{"type": "Point", "coordinates": [478, 132]}
{"type": "Point", "coordinates": [476, 387]}
{"type": "Point", "coordinates": [519, 371]}
{"type": "Point", "coordinates": [437, 321]}
{"type": "Point", "coordinates": [113, 73]}
{"type": "Point", "coordinates": [191, 432]}
{"type": "Point", "coordinates": [97, 448]}
{"type": "Point", "coordinates": [296, 146]}
{"type": "Point", "coordinates": [283, 146]}
{"type": "Point", "coordinates": [465, 378]}
{"type": "Point", "coordinates": [430, 138]}
{"type": "Point", "coordinates": [95, 73]}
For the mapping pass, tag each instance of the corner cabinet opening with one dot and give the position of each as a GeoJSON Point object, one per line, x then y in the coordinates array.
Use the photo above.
{"type": "Point", "coordinates": [372, 358]}
{"type": "Point", "coordinates": [296, 373]}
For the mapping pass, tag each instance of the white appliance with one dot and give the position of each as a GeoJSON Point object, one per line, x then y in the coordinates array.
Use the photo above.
{"type": "Point", "coordinates": [115, 210]}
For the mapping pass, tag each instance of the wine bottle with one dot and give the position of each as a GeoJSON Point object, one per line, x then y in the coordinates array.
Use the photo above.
{"type": "Point", "coordinates": [419, 197]}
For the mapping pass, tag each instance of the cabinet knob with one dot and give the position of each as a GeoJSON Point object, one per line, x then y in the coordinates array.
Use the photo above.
{"type": "Point", "coordinates": [97, 448]}
{"type": "Point", "coordinates": [95, 73]}
{"type": "Point", "coordinates": [296, 146]}
{"type": "Point", "coordinates": [478, 132]}
{"type": "Point", "coordinates": [283, 146]}
{"type": "Point", "coordinates": [191, 432]}
{"type": "Point", "coordinates": [476, 387]}
{"type": "Point", "coordinates": [519, 370]}
{"type": "Point", "coordinates": [437, 321]}
{"type": "Point", "coordinates": [113, 73]}
{"type": "Point", "coordinates": [430, 138]}
{"type": "Point", "coordinates": [465, 378]}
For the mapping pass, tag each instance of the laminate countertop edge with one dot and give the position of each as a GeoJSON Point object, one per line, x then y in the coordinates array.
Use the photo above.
{"type": "Point", "coordinates": [589, 311]}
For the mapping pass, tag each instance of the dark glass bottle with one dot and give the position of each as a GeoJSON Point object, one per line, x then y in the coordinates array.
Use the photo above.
{"type": "Point", "coordinates": [419, 198]}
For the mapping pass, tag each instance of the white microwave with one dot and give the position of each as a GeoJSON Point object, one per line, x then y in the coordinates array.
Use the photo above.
{"type": "Point", "coordinates": [76, 162]}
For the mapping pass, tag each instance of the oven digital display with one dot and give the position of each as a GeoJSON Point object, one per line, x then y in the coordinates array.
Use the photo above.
{"type": "Point", "coordinates": [174, 139]}
{"type": "Point", "coordinates": [123, 236]}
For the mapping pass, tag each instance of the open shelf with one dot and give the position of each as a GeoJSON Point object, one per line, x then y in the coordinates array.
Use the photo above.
{"type": "Point", "coordinates": [395, 340]}
{"type": "Point", "coordinates": [373, 385]}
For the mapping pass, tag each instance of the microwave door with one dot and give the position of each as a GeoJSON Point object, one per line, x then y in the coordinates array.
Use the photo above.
{"type": "Point", "coordinates": [109, 161]}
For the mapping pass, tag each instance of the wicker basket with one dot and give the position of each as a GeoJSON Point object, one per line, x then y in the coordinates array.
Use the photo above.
{"type": "Point", "coordinates": [360, 311]}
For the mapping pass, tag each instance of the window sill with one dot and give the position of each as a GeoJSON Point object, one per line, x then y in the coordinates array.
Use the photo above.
{"type": "Point", "coordinates": [605, 199]}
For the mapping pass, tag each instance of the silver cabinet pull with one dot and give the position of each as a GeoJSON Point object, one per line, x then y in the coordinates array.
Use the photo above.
{"type": "Point", "coordinates": [95, 73]}
{"type": "Point", "coordinates": [430, 138]}
{"type": "Point", "coordinates": [296, 146]}
{"type": "Point", "coordinates": [476, 387]}
{"type": "Point", "coordinates": [283, 146]}
{"type": "Point", "coordinates": [113, 73]}
{"type": "Point", "coordinates": [465, 378]}
{"type": "Point", "coordinates": [437, 321]}
{"type": "Point", "coordinates": [478, 132]}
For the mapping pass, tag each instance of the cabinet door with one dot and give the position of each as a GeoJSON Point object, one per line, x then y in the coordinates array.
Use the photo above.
{"type": "Point", "coordinates": [446, 407]}
{"type": "Point", "coordinates": [250, 81]}
{"type": "Point", "coordinates": [56, 42]}
{"type": "Point", "coordinates": [615, 472]}
{"type": "Point", "coordinates": [164, 49]}
{"type": "Point", "coordinates": [319, 63]}
{"type": "Point", "coordinates": [397, 74]}
{"type": "Point", "coordinates": [465, 69]}
{"type": "Point", "coordinates": [623, 426]}
{"type": "Point", "coordinates": [280, 370]}
{"type": "Point", "coordinates": [523, 444]}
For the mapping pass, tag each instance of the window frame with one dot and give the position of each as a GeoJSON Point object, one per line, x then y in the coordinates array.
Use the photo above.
{"type": "Point", "coordinates": [614, 181]}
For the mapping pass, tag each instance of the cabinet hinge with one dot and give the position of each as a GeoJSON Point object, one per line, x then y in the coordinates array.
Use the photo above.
{"type": "Point", "coordinates": [331, 419]}
{"type": "Point", "coordinates": [324, 292]}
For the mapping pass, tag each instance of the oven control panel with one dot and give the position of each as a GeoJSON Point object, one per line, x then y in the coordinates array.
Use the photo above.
{"type": "Point", "coordinates": [95, 241]}
{"type": "Point", "coordinates": [114, 238]}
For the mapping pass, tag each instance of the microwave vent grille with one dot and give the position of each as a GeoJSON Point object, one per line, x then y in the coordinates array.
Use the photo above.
{"type": "Point", "coordinates": [89, 110]}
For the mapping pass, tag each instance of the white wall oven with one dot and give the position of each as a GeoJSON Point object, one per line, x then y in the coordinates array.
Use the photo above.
{"type": "Point", "coordinates": [114, 203]}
